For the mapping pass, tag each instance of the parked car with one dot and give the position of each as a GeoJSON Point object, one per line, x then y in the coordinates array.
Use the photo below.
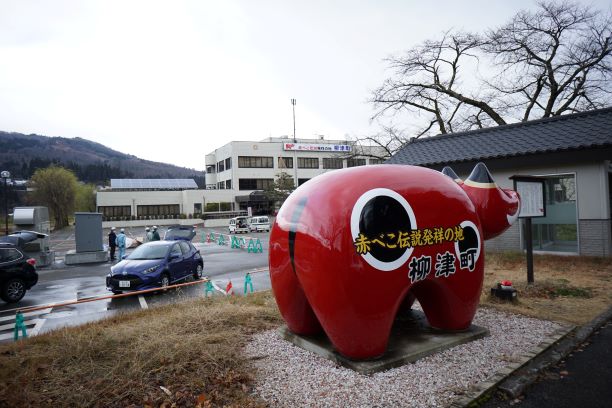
{"type": "Point", "coordinates": [238, 225]}
{"type": "Point", "coordinates": [17, 272]}
{"type": "Point", "coordinates": [260, 224]}
{"type": "Point", "coordinates": [178, 232]}
{"type": "Point", "coordinates": [156, 264]}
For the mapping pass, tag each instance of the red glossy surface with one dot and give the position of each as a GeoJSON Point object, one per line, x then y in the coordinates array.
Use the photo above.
{"type": "Point", "coordinates": [325, 277]}
{"type": "Point", "coordinates": [497, 208]}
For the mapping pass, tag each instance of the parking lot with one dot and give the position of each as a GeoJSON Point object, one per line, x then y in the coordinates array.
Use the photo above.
{"type": "Point", "coordinates": [60, 283]}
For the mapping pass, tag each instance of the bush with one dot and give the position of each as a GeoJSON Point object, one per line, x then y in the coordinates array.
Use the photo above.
{"type": "Point", "coordinates": [210, 207]}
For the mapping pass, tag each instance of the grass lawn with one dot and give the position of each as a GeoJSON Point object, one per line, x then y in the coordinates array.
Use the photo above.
{"type": "Point", "coordinates": [193, 349]}
{"type": "Point", "coordinates": [566, 288]}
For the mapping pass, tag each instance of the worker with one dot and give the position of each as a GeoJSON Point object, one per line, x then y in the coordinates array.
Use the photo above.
{"type": "Point", "coordinates": [121, 241]}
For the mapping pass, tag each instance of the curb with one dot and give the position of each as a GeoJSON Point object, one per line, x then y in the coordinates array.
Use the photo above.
{"type": "Point", "coordinates": [513, 379]}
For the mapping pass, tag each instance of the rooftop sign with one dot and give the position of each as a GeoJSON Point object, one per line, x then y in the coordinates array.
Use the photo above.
{"type": "Point", "coordinates": [308, 147]}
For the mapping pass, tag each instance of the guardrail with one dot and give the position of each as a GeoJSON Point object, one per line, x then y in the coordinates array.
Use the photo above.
{"type": "Point", "coordinates": [96, 298]}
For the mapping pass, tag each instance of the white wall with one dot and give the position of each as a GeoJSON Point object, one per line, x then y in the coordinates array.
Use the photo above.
{"type": "Point", "coordinates": [185, 199]}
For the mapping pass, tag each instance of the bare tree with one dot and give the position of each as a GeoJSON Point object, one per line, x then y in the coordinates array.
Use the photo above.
{"type": "Point", "coordinates": [544, 63]}
{"type": "Point", "coordinates": [553, 61]}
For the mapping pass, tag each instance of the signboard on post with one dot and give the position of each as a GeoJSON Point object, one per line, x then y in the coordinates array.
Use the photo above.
{"type": "Point", "coordinates": [249, 211]}
{"type": "Point", "coordinates": [533, 204]}
{"type": "Point", "coordinates": [532, 197]}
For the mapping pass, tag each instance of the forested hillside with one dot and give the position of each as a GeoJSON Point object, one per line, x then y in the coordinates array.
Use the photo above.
{"type": "Point", "coordinates": [91, 162]}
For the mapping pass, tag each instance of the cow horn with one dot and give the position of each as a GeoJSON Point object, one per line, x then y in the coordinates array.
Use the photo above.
{"type": "Point", "coordinates": [480, 177]}
{"type": "Point", "coordinates": [447, 171]}
{"type": "Point", "coordinates": [496, 208]}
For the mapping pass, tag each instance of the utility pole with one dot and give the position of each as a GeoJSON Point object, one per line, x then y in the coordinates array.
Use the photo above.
{"type": "Point", "coordinates": [5, 175]}
{"type": "Point", "coordinates": [293, 101]}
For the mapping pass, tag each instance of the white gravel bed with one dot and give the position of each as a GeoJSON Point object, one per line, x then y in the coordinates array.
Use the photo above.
{"type": "Point", "coordinates": [288, 376]}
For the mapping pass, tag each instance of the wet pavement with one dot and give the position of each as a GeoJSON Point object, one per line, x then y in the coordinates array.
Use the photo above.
{"type": "Point", "coordinates": [59, 283]}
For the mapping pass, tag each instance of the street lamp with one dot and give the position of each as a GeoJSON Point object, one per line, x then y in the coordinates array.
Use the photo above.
{"type": "Point", "coordinates": [5, 175]}
{"type": "Point", "coordinates": [293, 101]}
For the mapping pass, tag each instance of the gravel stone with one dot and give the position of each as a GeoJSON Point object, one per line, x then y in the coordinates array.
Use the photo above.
{"type": "Point", "coordinates": [288, 376]}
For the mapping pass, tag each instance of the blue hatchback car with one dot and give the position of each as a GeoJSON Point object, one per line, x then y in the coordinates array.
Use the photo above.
{"type": "Point", "coordinates": [156, 264]}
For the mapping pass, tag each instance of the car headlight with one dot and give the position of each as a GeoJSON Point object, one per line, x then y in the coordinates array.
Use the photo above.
{"type": "Point", "coordinates": [151, 269]}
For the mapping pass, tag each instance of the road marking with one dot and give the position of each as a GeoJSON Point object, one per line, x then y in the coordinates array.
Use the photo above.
{"type": "Point", "coordinates": [143, 302]}
{"type": "Point", "coordinates": [218, 288]}
{"type": "Point", "coordinates": [37, 327]}
{"type": "Point", "coordinates": [31, 332]}
{"type": "Point", "coordinates": [38, 312]}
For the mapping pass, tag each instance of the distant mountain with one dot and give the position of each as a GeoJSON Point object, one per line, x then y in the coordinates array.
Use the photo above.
{"type": "Point", "coordinates": [92, 162]}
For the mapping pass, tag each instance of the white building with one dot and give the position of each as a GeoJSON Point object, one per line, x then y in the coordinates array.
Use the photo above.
{"type": "Point", "coordinates": [236, 174]}
{"type": "Point", "coordinates": [248, 167]}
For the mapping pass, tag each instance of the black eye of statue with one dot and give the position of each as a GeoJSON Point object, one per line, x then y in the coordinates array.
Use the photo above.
{"type": "Point", "coordinates": [470, 239]}
{"type": "Point", "coordinates": [382, 218]}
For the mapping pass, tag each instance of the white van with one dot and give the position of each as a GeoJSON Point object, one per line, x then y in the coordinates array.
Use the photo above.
{"type": "Point", "coordinates": [238, 225]}
{"type": "Point", "coordinates": [260, 224]}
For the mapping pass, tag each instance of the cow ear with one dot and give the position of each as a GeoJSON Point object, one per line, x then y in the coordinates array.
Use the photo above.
{"type": "Point", "coordinates": [447, 171]}
{"type": "Point", "coordinates": [480, 177]}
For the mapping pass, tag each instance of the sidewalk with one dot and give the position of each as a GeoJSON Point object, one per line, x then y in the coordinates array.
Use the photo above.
{"type": "Point", "coordinates": [562, 375]}
{"type": "Point", "coordinates": [584, 379]}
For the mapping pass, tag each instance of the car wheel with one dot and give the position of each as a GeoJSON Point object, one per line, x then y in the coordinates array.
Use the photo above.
{"type": "Point", "coordinates": [164, 281]}
{"type": "Point", "coordinates": [198, 272]}
{"type": "Point", "coordinates": [13, 290]}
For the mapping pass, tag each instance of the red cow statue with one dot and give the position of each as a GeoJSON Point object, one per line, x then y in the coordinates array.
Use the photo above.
{"type": "Point", "coordinates": [351, 248]}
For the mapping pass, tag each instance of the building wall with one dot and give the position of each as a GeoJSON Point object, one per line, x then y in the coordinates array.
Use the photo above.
{"type": "Point", "coordinates": [272, 147]}
{"type": "Point", "coordinates": [186, 198]}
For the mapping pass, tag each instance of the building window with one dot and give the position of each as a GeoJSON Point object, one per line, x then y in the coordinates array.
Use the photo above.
{"type": "Point", "coordinates": [228, 163]}
{"type": "Point", "coordinates": [355, 162]}
{"type": "Point", "coordinates": [197, 208]}
{"type": "Point", "coordinates": [302, 181]}
{"type": "Point", "coordinates": [308, 163]}
{"type": "Point", "coordinates": [285, 162]}
{"type": "Point", "coordinates": [228, 184]}
{"type": "Point", "coordinates": [558, 231]}
{"type": "Point", "coordinates": [221, 185]}
{"type": "Point", "coordinates": [376, 161]}
{"type": "Point", "coordinates": [211, 169]}
{"type": "Point", "coordinates": [254, 184]}
{"type": "Point", "coordinates": [255, 162]}
{"type": "Point", "coordinates": [332, 163]}
{"type": "Point", "coordinates": [220, 166]}
{"type": "Point", "coordinates": [115, 211]}
{"type": "Point", "coordinates": [166, 209]}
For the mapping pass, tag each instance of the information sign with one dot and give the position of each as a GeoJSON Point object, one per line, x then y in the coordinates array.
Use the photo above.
{"type": "Point", "coordinates": [531, 192]}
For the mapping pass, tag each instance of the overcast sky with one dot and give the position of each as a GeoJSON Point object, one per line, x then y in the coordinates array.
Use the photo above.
{"type": "Point", "coordinates": [171, 81]}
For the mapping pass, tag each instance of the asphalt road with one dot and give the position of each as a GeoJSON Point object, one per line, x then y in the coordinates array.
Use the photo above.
{"type": "Point", "coordinates": [583, 380]}
{"type": "Point", "coordinates": [60, 283]}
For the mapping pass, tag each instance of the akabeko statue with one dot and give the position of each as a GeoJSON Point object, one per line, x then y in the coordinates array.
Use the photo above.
{"type": "Point", "coordinates": [351, 248]}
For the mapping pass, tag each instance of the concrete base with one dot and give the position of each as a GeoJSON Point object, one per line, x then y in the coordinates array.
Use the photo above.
{"type": "Point", "coordinates": [411, 339]}
{"type": "Point", "coordinates": [75, 258]}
